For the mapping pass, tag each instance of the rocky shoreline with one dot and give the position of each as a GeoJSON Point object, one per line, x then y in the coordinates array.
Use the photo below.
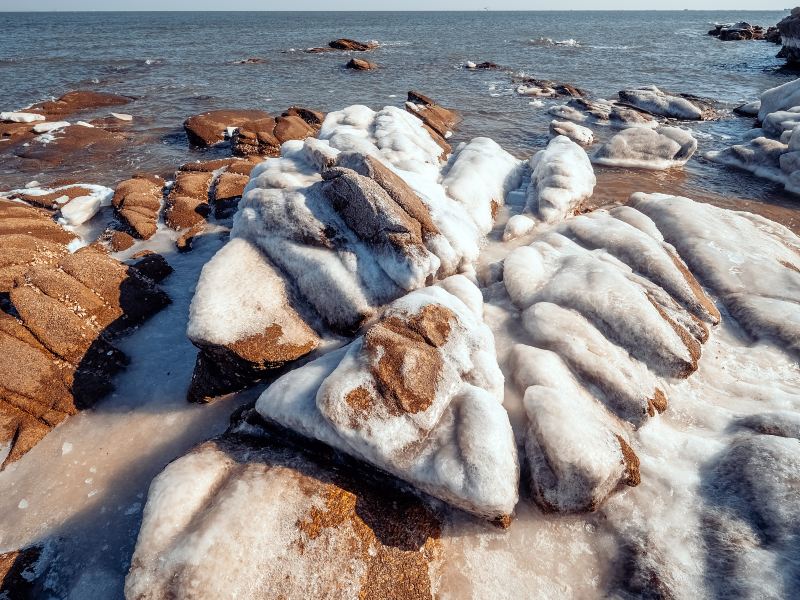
{"type": "Point", "coordinates": [448, 360]}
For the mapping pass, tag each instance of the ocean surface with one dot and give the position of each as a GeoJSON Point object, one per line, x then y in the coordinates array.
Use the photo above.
{"type": "Point", "coordinates": [179, 64]}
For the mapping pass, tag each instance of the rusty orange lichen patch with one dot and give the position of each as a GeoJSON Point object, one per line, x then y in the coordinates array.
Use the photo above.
{"type": "Point", "coordinates": [396, 538]}
{"type": "Point", "coordinates": [632, 476]}
{"type": "Point", "coordinates": [397, 342]}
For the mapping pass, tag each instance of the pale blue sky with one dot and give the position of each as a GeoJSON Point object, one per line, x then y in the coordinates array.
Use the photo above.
{"type": "Point", "coordinates": [7, 5]}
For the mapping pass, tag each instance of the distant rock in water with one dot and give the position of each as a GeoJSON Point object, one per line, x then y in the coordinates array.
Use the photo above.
{"type": "Point", "coordinates": [738, 31]}
{"type": "Point", "coordinates": [346, 45]}
{"type": "Point", "coordinates": [359, 64]}
{"type": "Point", "coordinates": [481, 66]}
{"type": "Point", "coordinates": [543, 88]}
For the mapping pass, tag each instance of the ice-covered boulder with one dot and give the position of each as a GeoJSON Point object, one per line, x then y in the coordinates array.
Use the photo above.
{"type": "Point", "coordinates": [76, 203]}
{"type": "Point", "coordinates": [577, 133]}
{"type": "Point", "coordinates": [789, 29]}
{"type": "Point", "coordinates": [752, 264]}
{"type": "Point", "coordinates": [602, 112]}
{"type": "Point", "coordinates": [561, 178]}
{"type": "Point", "coordinates": [242, 321]}
{"type": "Point", "coordinates": [748, 109]}
{"type": "Point", "coordinates": [760, 156]}
{"type": "Point", "coordinates": [543, 88]}
{"type": "Point", "coordinates": [367, 212]}
{"type": "Point", "coordinates": [782, 97]}
{"type": "Point", "coordinates": [781, 122]}
{"type": "Point", "coordinates": [606, 307]}
{"type": "Point", "coordinates": [418, 395]}
{"type": "Point", "coordinates": [639, 147]}
{"type": "Point", "coordinates": [250, 516]}
{"type": "Point", "coordinates": [656, 102]}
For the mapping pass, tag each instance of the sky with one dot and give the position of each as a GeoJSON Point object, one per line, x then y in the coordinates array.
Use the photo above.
{"type": "Point", "coordinates": [75, 5]}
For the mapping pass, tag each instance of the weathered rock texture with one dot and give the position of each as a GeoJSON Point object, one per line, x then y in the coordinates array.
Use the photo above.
{"type": "Point", "coordinates": [60, 312]}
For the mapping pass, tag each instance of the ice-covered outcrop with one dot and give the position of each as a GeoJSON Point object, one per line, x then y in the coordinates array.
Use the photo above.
{"type": "Point", "coordinates": [561, 178]}
{"type": "Point", "coordinates": [366, 213]}
{"type": "Point", "coordinates": [752, 497]}
{"type": "Point", "coordinates": [752, 264]}
{"type": "Point", "coordinates": [656, 102]}
{"type": "Point", "coordinates": [577, 133]}
{"type": "Point", "coordinates": [789, 29]}
{"type": "Point", "coordinates": [643, 148]}
{"type": "Point", "coordinates": [772, 151]}
{"type": "Point", "coordinates": [418, 395]}
{"type": "Point", "coordinates": [249, 516]}
{"type": "Point", "coordinates": [543, 88]}
{"type": "Point", "coordinates": [607, 306]}
{"type": "Point", "coordinates": [602, 112]}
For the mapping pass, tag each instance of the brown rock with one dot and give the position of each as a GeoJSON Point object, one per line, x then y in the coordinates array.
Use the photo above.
{"type": "Point", "coordinates": [436, 118]}
{"type": "Point", "coordinates": [57, 317]}
{"type": "Point", "coordinates": [78, 100]}
{"type": "Point", "coordinates": [348, 531]}
{"type": "Point", "coordinates": [227, 193]}
{"type": "Point", "coordinates": [310, 116]}
{"type": "Point", "coordinates": [361, 65]}
{"type": "Point", "coordinates": [72, 143]}
{"type": "Point", "coordinates": [352, 45]}
{"type": "Point", "coordinates": [152, 265]}
{"type": "Point", "coordinates": [187, 204]}
{"type": "Point", "coordinates": [119, 240]}
{"type": "Point", "coordinates": [137, 202]}
{"type": "Point", "coordinates": [48, 201]}
{"type": "Point", "coordinates": [208, 128]}
{"type": "Point", "coordinates": [185, 241]}
{"type": "Point", "coordinates": [393, 184]}
{"type": "Point", "coordinates": [15, 570]}
{"type": "Point", "coordinates": [392, 341]}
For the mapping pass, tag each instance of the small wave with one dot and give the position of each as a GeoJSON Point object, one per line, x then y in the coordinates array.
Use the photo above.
{"type": "Point", "coordinates": [542, 41]}
{"type": "Point", "coordinates": [154, 61]}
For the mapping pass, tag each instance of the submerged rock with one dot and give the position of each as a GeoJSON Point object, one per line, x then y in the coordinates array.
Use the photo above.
{"type": "Point", "coordinates": [77, 101]}
{"type": "Point", "coordinates": [643, 148]}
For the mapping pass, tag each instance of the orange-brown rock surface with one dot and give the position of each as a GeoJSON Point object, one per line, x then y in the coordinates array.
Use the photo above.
{"type": "Point", "coordinates": [59, 312]}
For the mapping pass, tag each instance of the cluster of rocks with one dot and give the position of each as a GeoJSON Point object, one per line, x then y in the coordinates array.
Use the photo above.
{"type": "Point", "coordinates": [59, 314]}
{"type": "Point", "coordinates": [40, 138]}
{"type": "Point", "coordinates": [744, 31]}
{"type": "Point", "coordinates": [772, 149]}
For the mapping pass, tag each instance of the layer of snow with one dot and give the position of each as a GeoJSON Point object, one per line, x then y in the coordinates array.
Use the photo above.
{"type": "Point", "coordinates": [51, 126]}
{"type": "Point", "coordinates": [653, 100]}
{"type": "Point", "coordinates": [20, 117]}
{"type": "Point", "coordinates": [577, 133]}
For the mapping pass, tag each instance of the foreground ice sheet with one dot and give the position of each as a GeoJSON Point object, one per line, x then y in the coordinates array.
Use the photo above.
{"type": "Point", "coordinates": [643, 148]}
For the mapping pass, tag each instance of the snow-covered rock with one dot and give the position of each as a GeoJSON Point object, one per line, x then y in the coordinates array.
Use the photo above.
{"type": "Point", "coordinates": [79, 210]}
{"type": "Point", "coordinates": [602, 112]}
{"type": "Point", "coordinates": [577, 133]}
{"type": "Point", "coordinates": [607, 306]}
{"type": "Point", "coordinates": [782, 97]}
{"type": "Point", "coordinates": [249, 516]}
{"type": "Point", "coordinates": [643, 148]}
{"type": "Point", "coordinates": [21, 117]}
{"type": "Point", "coordinates": [752, 264]}
{"type": "Point", "coordinates": [366, 213]}
{"type": "Point", "coordinates": [561, 178]}
{"type": "Point", "coordinates": [654, 101]}
{"type": "Point", "coordinates": [418, 395]}
{"type": "Point", "coordinates": [749, 109]}
{"type": "Point", "coordinates": [761, 156]}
